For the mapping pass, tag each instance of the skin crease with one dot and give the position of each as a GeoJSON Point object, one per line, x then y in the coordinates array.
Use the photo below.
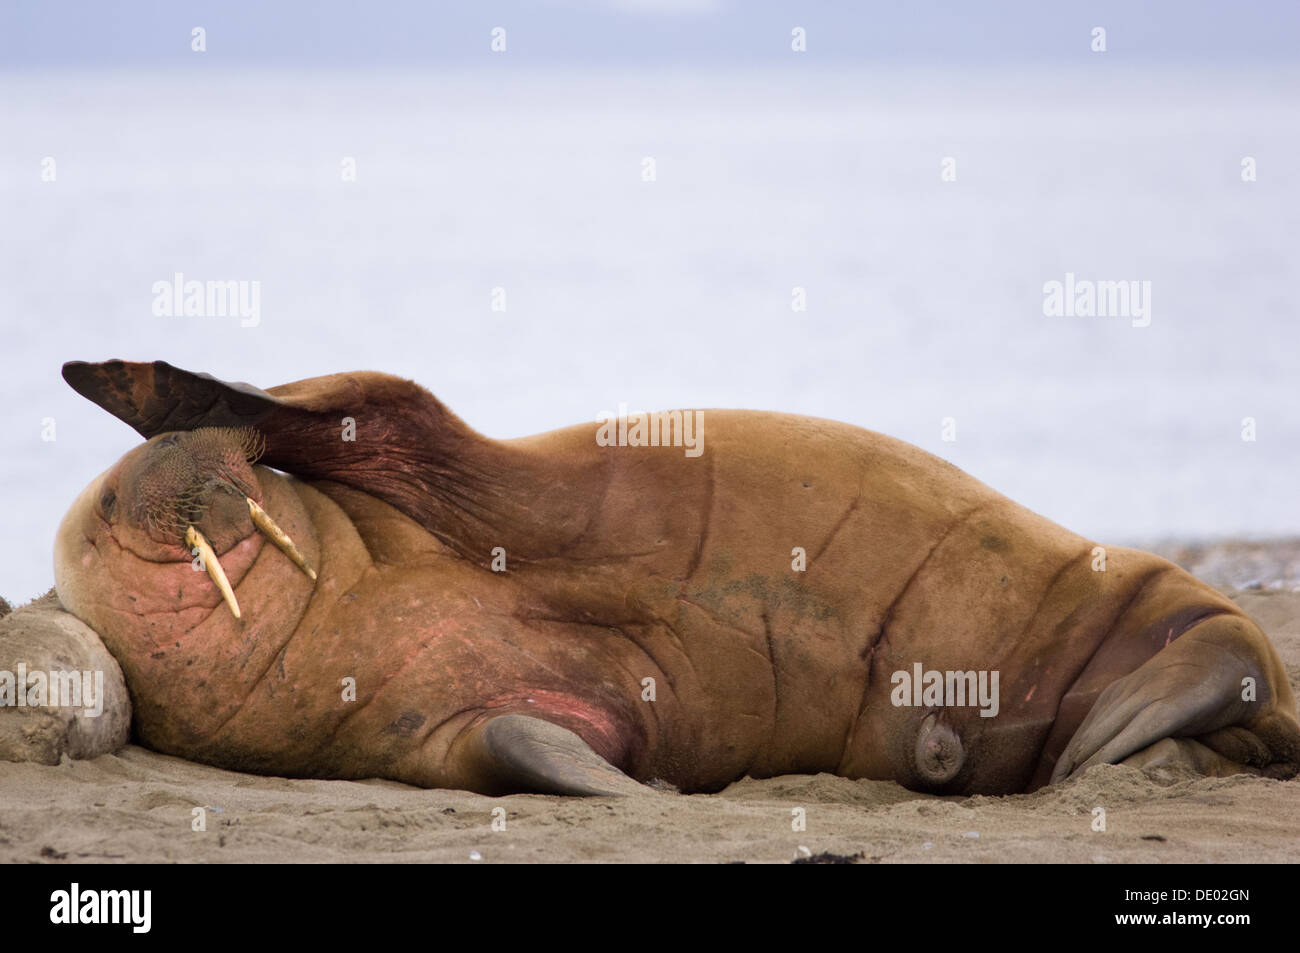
{"type": "Point", "coordinates": [631, 563]}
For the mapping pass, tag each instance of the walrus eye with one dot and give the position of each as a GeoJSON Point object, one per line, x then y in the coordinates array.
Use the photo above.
{"type": "Point", "coordinates": [108, 503]}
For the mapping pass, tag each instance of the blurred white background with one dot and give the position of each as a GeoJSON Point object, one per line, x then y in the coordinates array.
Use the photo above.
{"type": "Point", "coordinates": [775, 169]}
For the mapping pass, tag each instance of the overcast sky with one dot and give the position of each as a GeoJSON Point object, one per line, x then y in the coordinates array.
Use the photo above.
{"type": "Point", "coordinates": [339, 33]}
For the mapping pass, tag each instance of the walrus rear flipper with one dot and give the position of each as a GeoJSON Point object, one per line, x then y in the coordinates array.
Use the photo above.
{"type": "Point", "coordinates": [376, 433]}
{"type": "Point", "coordinates": [1220, 682]}
{"type": "Point", "coordinates": [516, 754]}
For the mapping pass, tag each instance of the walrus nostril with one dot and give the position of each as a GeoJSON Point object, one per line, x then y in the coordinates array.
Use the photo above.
{"type": "Point", "coordinates": [939, 752]}
{"type": "Point", "coordinates": [108, 504]}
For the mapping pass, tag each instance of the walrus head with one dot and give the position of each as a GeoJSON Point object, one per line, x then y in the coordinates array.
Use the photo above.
{"type": "Point", "coordinates": [376, 476]}
{"type": "Point", "coordinates": [181, 497]}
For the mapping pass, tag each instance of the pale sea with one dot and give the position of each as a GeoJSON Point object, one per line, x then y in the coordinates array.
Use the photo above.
{"type": "Point", "coordinates": [924, 297]}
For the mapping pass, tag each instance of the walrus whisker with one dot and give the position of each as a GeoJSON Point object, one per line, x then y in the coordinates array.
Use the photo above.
{"type": "Point", "coordinates": [262, 520]}
{"type": "Point", "coordinates": [252, 444]}
{"type": "Point", "coordinates": [194, 539]}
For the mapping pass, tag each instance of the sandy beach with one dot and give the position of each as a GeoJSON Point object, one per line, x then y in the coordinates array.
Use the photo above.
{"type": "Point", "coordinates": [138, 806]}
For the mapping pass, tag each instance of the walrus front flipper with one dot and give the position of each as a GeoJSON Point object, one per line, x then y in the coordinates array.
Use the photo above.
{"type": "Point", "coordinates": [1187, 753]}
{"type": "Point", "coordinates": [394, 423]}
{"type": "Point", "coordinates": [516, 754]}
{"type": "Point", "coordinates": [1221, 683]}
{"type": "Point", "coordinates": [157, 398]}
{"type": "Point", "coordinates": [374, 432]}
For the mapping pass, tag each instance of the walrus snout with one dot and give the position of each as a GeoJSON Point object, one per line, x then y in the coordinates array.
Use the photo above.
{"type": "Point", "coordinates": [191, 493]}
{"type": "Point", "coordinates": [178, 480]}
{"type": "Point", "coordinates": [939, 751]}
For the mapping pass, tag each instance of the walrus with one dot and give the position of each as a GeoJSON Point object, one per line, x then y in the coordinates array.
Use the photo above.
{"type": "Point", "coordinates": [388, 593]}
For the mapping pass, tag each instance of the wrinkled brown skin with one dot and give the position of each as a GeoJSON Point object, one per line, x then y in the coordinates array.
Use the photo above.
{"type": "Point", "coordinates": [631, 563]}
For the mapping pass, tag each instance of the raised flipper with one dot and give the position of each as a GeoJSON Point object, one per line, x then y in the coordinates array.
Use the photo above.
{"type": "Point", "coordinates": [374, 432]}
{"type": "Point", "coordinates": [1197, 687]}
{"type": "Point", "coordinates": [516, 754]}
{"type": "Point", "coordinates": [402, 433]}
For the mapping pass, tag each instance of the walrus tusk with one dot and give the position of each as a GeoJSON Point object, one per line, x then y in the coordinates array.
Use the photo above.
{"type": "Point", "coordinates": [194, 539]}
{"type": "Point", "coordinates": [262, 520]}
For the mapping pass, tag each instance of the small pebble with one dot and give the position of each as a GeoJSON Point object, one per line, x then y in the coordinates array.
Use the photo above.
{"type": "Point", "coordinates": [475, 855]}
{"type": "Point", "coordinates": [971, 834]}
